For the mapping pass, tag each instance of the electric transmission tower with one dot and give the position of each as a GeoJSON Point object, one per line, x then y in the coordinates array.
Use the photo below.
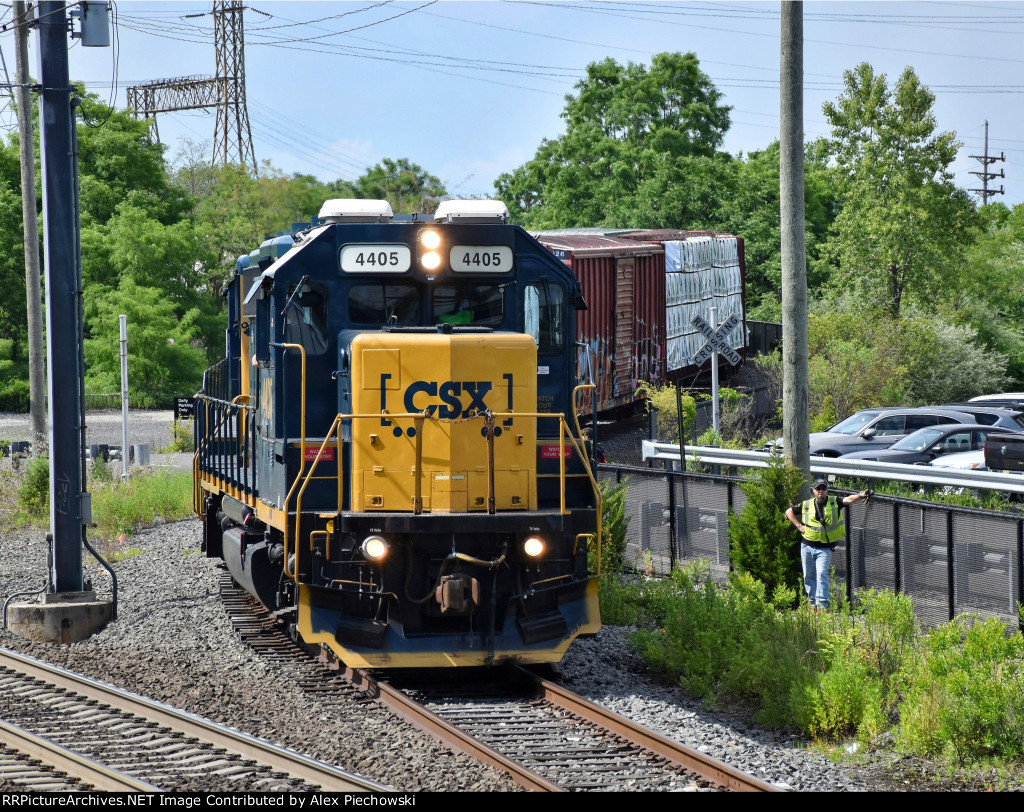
{"type": "Point", "coordinates": [232, 137]}
{"type": "Point", "coordinates": [986, 175]}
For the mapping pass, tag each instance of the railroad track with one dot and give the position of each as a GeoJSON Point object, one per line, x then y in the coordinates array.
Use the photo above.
{"type": "Point", "coordinates": [545, 737]}
{"type": "Point", "coordinates": [103, 737]}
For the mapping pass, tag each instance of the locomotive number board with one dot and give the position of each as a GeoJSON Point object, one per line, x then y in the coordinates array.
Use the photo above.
{"type": "Point", "coordinates": [481, 258]}
{"type": "Point", "coordinates": [386, 258]}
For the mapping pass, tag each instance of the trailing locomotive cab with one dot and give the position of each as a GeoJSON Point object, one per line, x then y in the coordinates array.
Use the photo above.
{"type": "Point", "coordinates": [388, 456]}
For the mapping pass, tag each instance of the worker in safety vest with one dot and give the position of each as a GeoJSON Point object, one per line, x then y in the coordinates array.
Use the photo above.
{"type": "Point", "coordinates": [821, 524]}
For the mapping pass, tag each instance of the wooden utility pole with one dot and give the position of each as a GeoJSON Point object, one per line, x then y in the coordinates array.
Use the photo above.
{"type": "Point", "coordinates": [795, 417]}
{"type": "Point", "coordinates": [33, 288]}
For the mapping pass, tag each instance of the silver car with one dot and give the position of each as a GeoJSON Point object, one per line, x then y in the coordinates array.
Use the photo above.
{"type": "Point", "coordinates": [881, 427]}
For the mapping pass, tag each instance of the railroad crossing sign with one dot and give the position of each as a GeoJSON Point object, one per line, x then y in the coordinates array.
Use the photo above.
{"type": "Point", "coordinates": [715, 340]}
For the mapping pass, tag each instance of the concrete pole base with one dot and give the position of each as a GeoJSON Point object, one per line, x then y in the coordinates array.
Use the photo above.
{"type": "Point", "coordinates": [62, 617]}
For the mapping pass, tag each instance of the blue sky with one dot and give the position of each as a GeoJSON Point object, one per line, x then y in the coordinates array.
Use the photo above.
{"type": "Point", "coordinates": [469, 89]}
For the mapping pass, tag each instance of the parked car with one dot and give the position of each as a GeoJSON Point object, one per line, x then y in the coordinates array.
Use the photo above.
{"type": "Point", "coordinates": [877, 428]}
{"type": "Point", "coordinates": [993, 414]}
{"type": "Point", "coordinates": [1004, 452]}
{"type": "Point", "coordinates": [969, 460]}
{"type": "Point", "coordinates": [924, 445]}
{"type": "Point", "coordinates": [1005, 396]}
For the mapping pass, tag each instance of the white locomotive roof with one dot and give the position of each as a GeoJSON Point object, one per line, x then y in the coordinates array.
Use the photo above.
{"type": "Point", "coordinates": [354, 210]}
{"type": "Point", "coordinates": [471, 211]}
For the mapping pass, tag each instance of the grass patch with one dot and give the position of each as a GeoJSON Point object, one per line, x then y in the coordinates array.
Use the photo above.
{"type": "Point", "coordinates": [119, 508]}
{"type": "Point", "coordinates": [863, 672]}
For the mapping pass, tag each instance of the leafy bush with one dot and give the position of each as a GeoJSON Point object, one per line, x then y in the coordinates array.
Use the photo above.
{"type": "Point", "coordinates": [614, 524]}
{"type": "Point", "coordinates": [34, 490]}
{"type": "Point", "coordinates": [662, 399]}
{"type": "Point", "coordinates": [761, 538]}
{"type": "Point", "coordinates": [182, 436]}
{"type": "Point", "coordinates": [966, 697]}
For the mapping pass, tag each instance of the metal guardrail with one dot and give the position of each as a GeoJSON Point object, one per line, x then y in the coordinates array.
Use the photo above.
{"type": "Point", "coordinates": [864, 469]}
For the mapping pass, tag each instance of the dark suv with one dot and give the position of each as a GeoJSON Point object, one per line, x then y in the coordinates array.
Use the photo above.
{"type": "Point", "coordinates": [881, 427]}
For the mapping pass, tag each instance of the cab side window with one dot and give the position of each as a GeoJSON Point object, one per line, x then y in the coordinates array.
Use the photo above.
{"type": "Point", "coordinates": [261, 329]}
{"type": "Point", "coordinates": [306, 319]}
{"type": "Point", "coordinates": [543, 316]}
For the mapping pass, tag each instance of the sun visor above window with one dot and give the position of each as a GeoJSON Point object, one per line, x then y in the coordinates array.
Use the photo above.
{"type": "Point", "coordinates": [256, 291]}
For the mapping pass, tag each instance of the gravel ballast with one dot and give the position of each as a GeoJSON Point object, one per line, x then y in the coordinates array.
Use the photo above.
{"type": "Point", "coordinates": [173, 642]}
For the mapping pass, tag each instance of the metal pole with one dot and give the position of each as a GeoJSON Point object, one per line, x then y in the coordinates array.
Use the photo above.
{"type": "Point", "coordinates": [680, 422]}
{"type": "Point", "coordinates": [124, 397]}
{"type": "Point", "coordinates": [33, 288]}
{"type": "Point", "coordinates": [62, 300]}
{"type": "Point", "coordinates": [714, 372]}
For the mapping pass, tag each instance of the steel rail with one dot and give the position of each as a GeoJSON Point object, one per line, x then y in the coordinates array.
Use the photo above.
{"type": "Point", "coordinates": [677, 754]}
{"type": "Point", "coordinates": [411, 711]}
{"type": "Point", "coordinates": [328, 777]}
{"type": "Point", "coordinates": [98, 776]}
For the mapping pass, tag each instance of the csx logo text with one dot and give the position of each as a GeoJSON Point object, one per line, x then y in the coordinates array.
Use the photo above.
{"type": "Point", "coordinates": [419, 395]}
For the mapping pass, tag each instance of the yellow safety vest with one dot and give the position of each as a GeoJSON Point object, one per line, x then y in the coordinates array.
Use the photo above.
{"type": "Point", "coordinates": [834, 528]}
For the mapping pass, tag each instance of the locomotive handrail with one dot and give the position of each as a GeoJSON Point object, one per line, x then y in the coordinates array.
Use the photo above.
{"type": "Point", "coordinates": [301, 482]}
{"type": "Point", "coordinates": [239, 402]}
{"type": "Point", "coordinates": [302, 446]}
{"type": "Point", "coordinates": [598, 498]}
{"type": "Point", "coordinates": [312, 469]}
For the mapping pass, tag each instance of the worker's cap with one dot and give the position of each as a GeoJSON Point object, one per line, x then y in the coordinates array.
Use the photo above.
{"type": "Point", "coordinates": [819, 484]}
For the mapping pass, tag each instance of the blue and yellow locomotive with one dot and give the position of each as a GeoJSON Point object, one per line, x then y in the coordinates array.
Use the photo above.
{"type": "Point", "coordinates": [388, 456]}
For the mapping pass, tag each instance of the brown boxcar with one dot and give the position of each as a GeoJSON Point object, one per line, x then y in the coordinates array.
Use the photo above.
{"type": "Point", "coordinates": [643, 289]}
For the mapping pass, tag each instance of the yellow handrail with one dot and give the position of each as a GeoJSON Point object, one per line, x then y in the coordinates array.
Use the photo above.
{"type": "Point", "coordinates": [303, 478]}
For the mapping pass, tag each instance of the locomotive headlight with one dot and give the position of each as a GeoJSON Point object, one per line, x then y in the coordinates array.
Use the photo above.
{"type": "Point", "coordinates": [430, 260]}
{"type": "Point", "coordinates": [534, 547]}
{"type": "Point", "coordinates": [375, 548]}
{"type": "Point", "coordinates": [430, 240]}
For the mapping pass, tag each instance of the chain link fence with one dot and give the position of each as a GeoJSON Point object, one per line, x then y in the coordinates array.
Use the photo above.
{"type": "Point", "coordinates": [950, 560]}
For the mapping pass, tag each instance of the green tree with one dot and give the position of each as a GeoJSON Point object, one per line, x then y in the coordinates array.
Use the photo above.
{"type": "Point", "coordinates": [904, 225]}
{"type": "Point", "coordinates": [761, 537]}
{"type": "Point", "coordinates": [165, 356]}
{"type": "Point", "coordinates": [629, 132]}
{"type": "Point", "coordinates": [987, 294]}
{"type": "Point", "coordinates": [116, 156]}
{"type": "Point", "coordinates": [753, 211]}
{"type": "Point", "coordinates": [405, 185]}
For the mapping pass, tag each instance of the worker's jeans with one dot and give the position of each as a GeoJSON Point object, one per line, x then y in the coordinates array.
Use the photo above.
{"type": "Point", "coordinates": [815, 562]}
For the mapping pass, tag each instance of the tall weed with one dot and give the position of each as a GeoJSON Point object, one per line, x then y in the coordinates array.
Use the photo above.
{"type": "Point", "coordinates": [125, 507]}
{"type": "Point", "coordinates": [970, 678]}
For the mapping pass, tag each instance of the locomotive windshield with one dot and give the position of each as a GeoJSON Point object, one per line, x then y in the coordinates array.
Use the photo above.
{"type": "Point", "coordinates": [377, 303]}
{"type": "Point", "coordinates": [469, 302]}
